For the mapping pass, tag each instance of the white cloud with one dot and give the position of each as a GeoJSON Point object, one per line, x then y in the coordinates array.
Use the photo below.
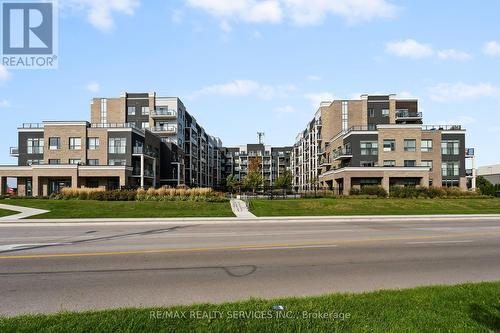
{"type": "Point", "coordinates": [285, 109]}
{"type": "Point", "coordinates": [225, 27]}
{"type": "Point", "coordinates": [460, 120]}
{"type": "Point", "coordinates": [100, 13]}
{"type": "Point", "coordinates": [492, 49]}
{"type": "Point", "coordinates": [317, 98]}
{"type": "Point", "coordinates": [4, 74]}
{"type": "Point", "coordinates": [245, 10]}
{"type": "Point", "coordinates": [93, 87]}
{"type": "Point", "coordinates": [300, 12]}
{"type": "Point", "coordinates": [245, 88]}
{"type": "Point", "coordinates": [409, 48]}
{"type": "Point", "coordinates": [313, 78]}
{"type": "Point", "coordinates": [452, 54]}
{"type": "Point", "coordinates": [4, 104]}
{"type": "Point", "coordinates": [307, 12]}
{"type": "Point", "coordinates": [458, 91]}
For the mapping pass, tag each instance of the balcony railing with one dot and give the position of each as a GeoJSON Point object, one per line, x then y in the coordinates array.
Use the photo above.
{"type": "Point", "coordinates": [164, 112]}
{"type": "Point", "coordinates": [31, 125]}
{"type": "Point", "coordinates": [441, 127]}
{"type": "Point", "coordinates": [469, 152]}
{"type": "Point", "coordinates": [408, 114]}
{"type": "Point", "coordinates": [145, 151]}
{"type": "Point", "coordinates": [115, 125]}
{"type": "Point", "coordinates": [342, 153]}
{"type": "Point", "coordinates": [14, 151]}
{"type": "Point", "coordinates": [468, 172]}
{"type": "Point", "coordinates": [166, 128]}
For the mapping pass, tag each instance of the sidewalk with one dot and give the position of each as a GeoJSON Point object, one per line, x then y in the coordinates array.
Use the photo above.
{"type": "Point", "coordinates": [240, 209]}
{"type": "Point", "coordinates": [23, 212]}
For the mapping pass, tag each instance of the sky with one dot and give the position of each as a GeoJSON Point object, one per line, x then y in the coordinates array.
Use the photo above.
{"type": "Point", "coordinates": [244, 66]}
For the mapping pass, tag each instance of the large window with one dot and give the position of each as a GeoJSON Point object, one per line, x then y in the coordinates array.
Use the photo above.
{"type": "Point", "coordinates": [145, 110]}
{"type": "Point", "coordinates": [131, 110]}
{"type": "Point", "coordinates": [93, 143]}
{"type": "Point", "coordinates": [75, 143]}
{"type": "Point", "coordinates": [369, 147]}
{"type": "Point", "coordinates": [34, 162]}
{"type": "Point", "coordinates": [427, 163]}
{"type": "Point", "coordinates": [54, 143]}
{"type": "Point", "coordinates": [117, 145]}
{"type": "Point", "coordinates": [410, 145]}
{"type": "Point", "coordinates": [35, 146]}
{"type": "Point", "coordinates": [450, 147]}
{"type": "Point", "coordinates": [345, 116]}
{"type": "Point", "coordinates": [54, 161]}
{"type": "Point", "coordinates": [104, 111]}
{"type": "Point", "coordinates": [450, 169]}
{"type": "Point", "coordinates": [75, 161]}
{"type": "Point", "coordinates": [385, 113]}
{"type": "Point", "coordinates": [389, 145]}
{"type": "Point", "coordinates": [117, 162]}
{"type": "Point", "coordinates": [93, 162]}
{"type": "Point", "coordinates": [426, 146]}
{"type": "Point", "coordinates": [145, 125]}
{"type": "Point", "coordinates": [371, 113]}
{"type": "Point", "coordinates": [410, 163]}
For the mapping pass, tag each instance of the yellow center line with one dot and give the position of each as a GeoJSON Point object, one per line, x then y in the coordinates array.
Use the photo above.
{"type": "Point", "coordinates": [242, 247]}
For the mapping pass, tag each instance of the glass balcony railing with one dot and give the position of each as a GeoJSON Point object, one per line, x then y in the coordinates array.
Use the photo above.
{"type": "Point", "coordinates": [344, 152]}
{"type": "Point", "coordinates": [408, 114]}
{"type": "Point", "coordinates": [164, 128]}
{"type": "Point", "coordinates": [164, 112]}
{"type": "Point", "coordinates": [14, 151]}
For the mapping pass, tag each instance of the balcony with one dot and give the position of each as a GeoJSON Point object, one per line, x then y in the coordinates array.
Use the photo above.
{"type": "Point", "coordinates": [441, 128]}
{"type": "Point", "coordinates": [408, 115]}
{"type": "Point", "coordinates": [164, 129]}
{"type": "Point", "coordinates": [469, 152]}
{"type": "Point", "coordinates": [14, 151]}
{"type": "Point", "coordinates": [163, 113]}
{"type": "Point", "coordinates": [138, 150]}
{"type": "Point", "coordinates": [469, 173]}
{"type": "Point", "coordinates": [31, 125]}
{"type": "Point", "coordinates": [342, 154]}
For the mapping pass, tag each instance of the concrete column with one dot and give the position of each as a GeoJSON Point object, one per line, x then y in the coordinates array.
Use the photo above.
{"type": "Point", "coordinates": [2, 187]}
{"type": "Point", "coordinates": [474, 173]}
{"type": "Point", "coordinates": [154, 173]}
{"type": "Point", "coordinates": [347, 185]}
{"type": "Point", "coordinates": [142, 171]}
{"type": "Point", "coordinates": [386, 183]}
{"type": "Point", "coordinates": [424, 181]}
{"type": "Point", "coordinates": [74, 181]}
{"type": "Point", "coordinates": [123, 180]}
{"type": "Point", "coordinates": [35, 186]}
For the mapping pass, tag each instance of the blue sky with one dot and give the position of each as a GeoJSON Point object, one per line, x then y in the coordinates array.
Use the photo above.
{"type": "Point", "coordinates": [244, 66]}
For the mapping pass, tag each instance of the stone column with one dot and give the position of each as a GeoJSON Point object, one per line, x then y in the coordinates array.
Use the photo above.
{"type": "Point", "coordinates": [35, 186]}
{"type": "Point", "coordinates": [386, 183]}
{"type": "Point", "coordinates": [347, 185]}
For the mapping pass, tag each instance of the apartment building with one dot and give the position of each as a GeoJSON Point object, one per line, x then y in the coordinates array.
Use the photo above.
{"type": "Point", "coordinates": [134, 140]}
{"type": "Point", "coordinates": [270, 161]}
{"type": "Point", "coordinates": [378, 140]}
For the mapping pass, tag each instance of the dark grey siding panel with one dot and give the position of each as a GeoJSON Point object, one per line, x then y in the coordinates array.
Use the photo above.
{"type": "Point", "coordinates": [461, 153]}
{"type": "Point", "coordinates": [354, 140]}
{"type": "Point", "coordinates": [128, 153]}
{"type": "Point", "coordinates": [377, 109]}
{"type": "Point", "coordinates": [138, 118]}
{"type": "Point", "coordinates": [23, 147]}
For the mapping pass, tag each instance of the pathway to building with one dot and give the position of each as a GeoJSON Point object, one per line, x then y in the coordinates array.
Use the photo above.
{"type": "Point", "coordinates": [240, 209]}
{"type": "Point", "coordinates": [23, 212]}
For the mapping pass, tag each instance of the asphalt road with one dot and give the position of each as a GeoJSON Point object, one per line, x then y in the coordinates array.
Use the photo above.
{"type": "Point", "coordinates": [82, 267]}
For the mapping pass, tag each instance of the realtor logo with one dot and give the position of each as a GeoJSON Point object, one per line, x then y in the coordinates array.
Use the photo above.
{"type": "Point", "coordinates": [29, 38]}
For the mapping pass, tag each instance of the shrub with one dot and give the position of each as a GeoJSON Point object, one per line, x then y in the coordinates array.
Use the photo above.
{"type": "Point", "coordinates": [431, 192]}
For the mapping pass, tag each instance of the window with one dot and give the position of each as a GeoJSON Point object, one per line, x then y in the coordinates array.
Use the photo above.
{"type": "Point", "coordinates": [369, 147]}
{"type": "Point", "coordinates": [426, 146]}
{"type": "Point", "coordinates": [367, 163]}
{"type": "Point", "coordinates": [34, 162]}
{"type": "Point", "coordinates": [450, 169]}
{"type": "Point", "coordinates": [117, 145]}
{"type": "Point", "coordinates": [54, 143]}
{"type": "Point", "coordinates": [75, 161]}
{"type": "Point", "coordinates": [75, 143]}
{"type": "Point", "coordinates": [389, 163]}
{"type": "Point", "coordinates": [389, 145]}
{"type": "Point", "coordinates": [345, 116]}
{"type": "Point", "coordinates": [93, 143]}
{"type": "Point", "coordinates": [145, 125]}
{"type": "Point", "coordinates": [385, 113]}
{"type": "Point", "coordinates": [450, 147]}
{"type": "Point", "coordinates": [54, 161]}
{"type": "Point", "coordinates": [104, 111]}
{"type": "Point", "coordinates": [118, 162]}
{"type": "Point", "coordinates": [145, 110]}
{"type": "Point", "coordinates": [35, 146]}
{"type": "Point", "coordinates": [410, 163]}
{"type": "Point", "coordinates": [92, 162]}
{"type": "Point", "coordinates": [410, 145]}
{"type": "Point", "coordinates": [131, 110]}
{"type": "Point", "coordinates": [427, 163]}
{"type": "Point", "coordinates": [371, 113]}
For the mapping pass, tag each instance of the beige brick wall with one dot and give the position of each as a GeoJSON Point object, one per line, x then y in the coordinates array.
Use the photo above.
{"type": "Point", "coordinates": [399, 155]}
{"type": "Point", "coordinates": [64, 132]}
{"type": "Point", "coordinates": [358, 113]}
{"type": "Point", "coordinates": [117, 110]}
{"type": "Point", "coordinates": [435, 156]}
{"type": "Point", "coordinates": [100, 154]}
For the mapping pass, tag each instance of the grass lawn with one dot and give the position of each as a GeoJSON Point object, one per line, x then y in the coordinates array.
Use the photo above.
{"type": "Point", "coordinates": [118, 209]}
{"type": "Point", "coordinates": [344, 206]}
{"type": "Point", "coordinates": [5, 212]}
{"type": "Point", "coordinates": [462, 308]}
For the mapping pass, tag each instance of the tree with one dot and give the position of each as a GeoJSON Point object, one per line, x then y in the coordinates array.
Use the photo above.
{"type": "Point", "coordinates": [232, 183]}
{"type": "Point", "coordinates": [486, 187]}
{"type": "Point", "coordinates": [284, 181]}
{"type": "Point", "coordinates": [253, 180]}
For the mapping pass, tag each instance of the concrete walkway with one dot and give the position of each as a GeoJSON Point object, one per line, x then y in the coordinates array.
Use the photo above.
{"type": "Point", "coordinates": [240, 209]}
{"type": "Point", "coordinates": [23, 212]}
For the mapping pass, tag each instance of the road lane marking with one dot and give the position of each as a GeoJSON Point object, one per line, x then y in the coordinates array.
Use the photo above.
{"type": "Point", "coordinates": [288, 247]}
{"type": "Point", "coordinates": [441, 242]}
{"type": "Point", "coordinates": [238, 247]}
